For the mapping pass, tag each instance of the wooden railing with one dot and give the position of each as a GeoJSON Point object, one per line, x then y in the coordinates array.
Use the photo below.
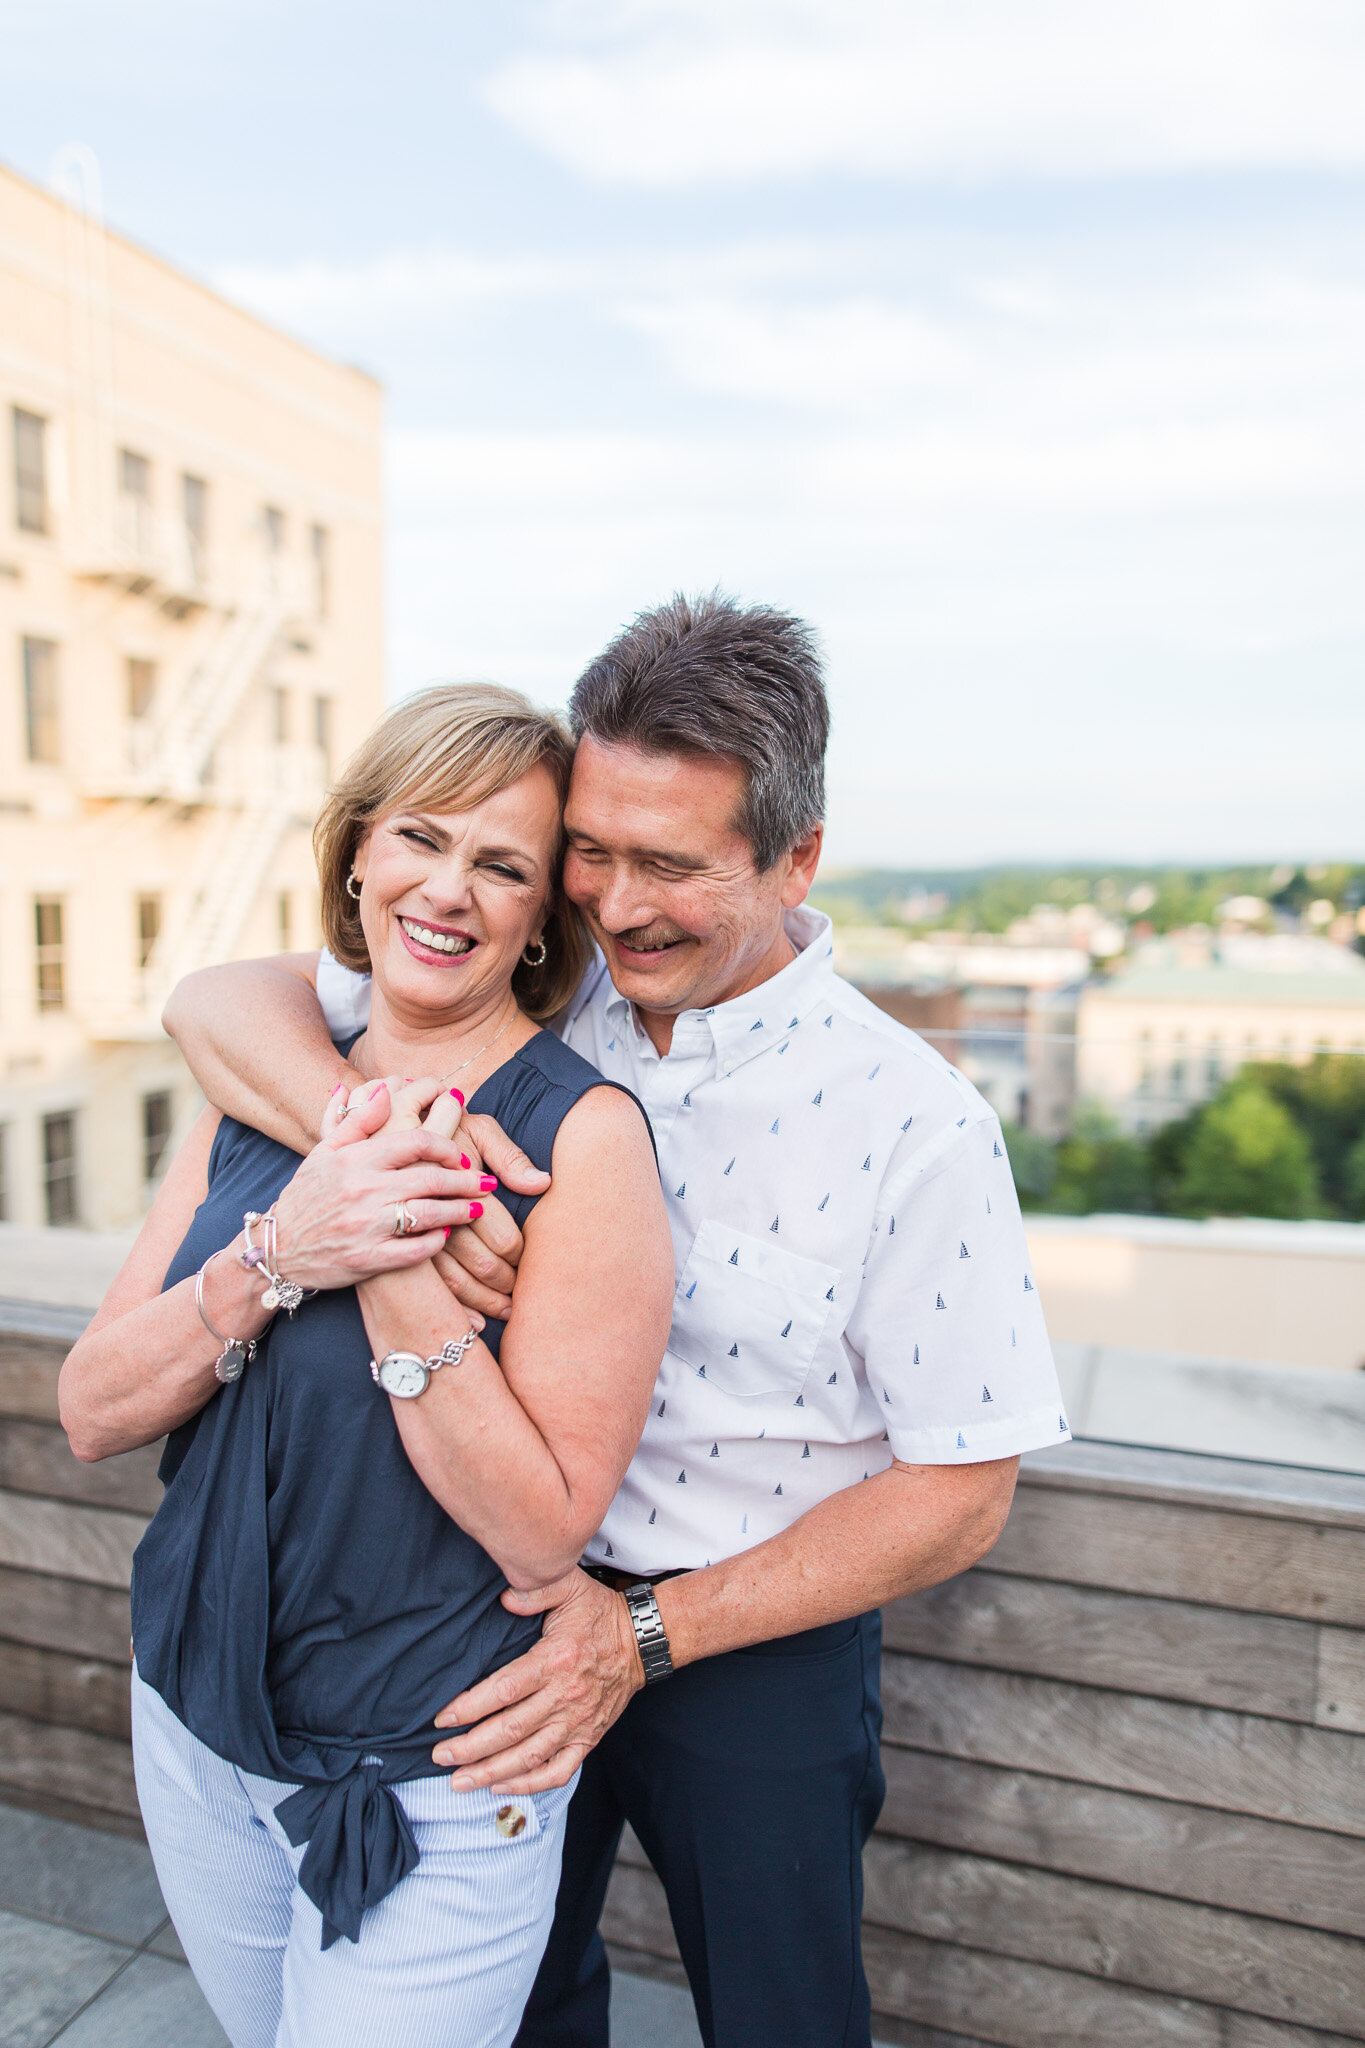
{"type": "Point", "coordinates": [1125, 1757]}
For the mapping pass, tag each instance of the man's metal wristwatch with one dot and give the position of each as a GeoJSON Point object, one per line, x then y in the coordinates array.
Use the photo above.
{"type": "Point", "coordinates": [651, 1637]}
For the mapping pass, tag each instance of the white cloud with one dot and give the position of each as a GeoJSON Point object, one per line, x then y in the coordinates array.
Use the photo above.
{"type": "Point", "coordinates": [852, 355]}
{"type": "Point", "coordinates": [696, 93]}
{"type": "Point", "coordinates": [431, 284]}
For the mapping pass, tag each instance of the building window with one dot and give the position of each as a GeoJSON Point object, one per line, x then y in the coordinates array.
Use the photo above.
{"type": "Point", "coordinates": [50, 953]}
{"type": "Point", "coordinates": [156, 1132]}
{"type": "Point", "coordinates": [4, 1173]}
{"type": "Point", "coordinates": [135, 495]}
{"type": "Point", "coordinates": [148, 927]}
{"type": "Point", "coordinates": [272, 523]}
{"type": "Point", "coordinates": [141, 685]}
{"type": "Point", "coordinates": [322, 730]}
{"type": "Point", "coordinates": [1177, 1078]}
{"type": "Point", "coordinates": [284, 920]}
{"type": "Point", "coordinates": [60, 1188]}
{"type": "Point", "coordinates": [134, 476]}
{"type": "Point", "coordinates": [42, 734]}
{"type": "Point", "coordinates": [30, 472]}
{"type": "Point", "coordinates": [279, 714]}
{"type": "Point", "coordinates": [195, 504]}
{"type": "Point", "coordinates": [320, 544]}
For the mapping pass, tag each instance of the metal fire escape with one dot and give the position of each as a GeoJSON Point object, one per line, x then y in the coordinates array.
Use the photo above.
{"type": "Point", "coordinates": [180, 753]}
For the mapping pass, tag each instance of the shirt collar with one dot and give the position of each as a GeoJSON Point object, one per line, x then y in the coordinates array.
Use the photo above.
{"type": "Point", "coordinates": [750, 1024]}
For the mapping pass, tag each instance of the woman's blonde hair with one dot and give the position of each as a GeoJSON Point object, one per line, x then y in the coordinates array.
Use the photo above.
{"type": "Point", "coordinates": [447, 749]}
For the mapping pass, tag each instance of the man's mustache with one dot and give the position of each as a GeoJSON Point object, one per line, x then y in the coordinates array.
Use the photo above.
{"type": "Point", "coordinates": [649, 938]}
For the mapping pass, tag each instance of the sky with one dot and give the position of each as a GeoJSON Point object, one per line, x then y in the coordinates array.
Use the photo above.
{"type": "Point", "coordinates": [1017, 344]}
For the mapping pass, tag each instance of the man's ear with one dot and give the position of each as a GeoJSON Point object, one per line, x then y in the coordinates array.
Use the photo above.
{"type": "Point", "coordinates": [804, 859]}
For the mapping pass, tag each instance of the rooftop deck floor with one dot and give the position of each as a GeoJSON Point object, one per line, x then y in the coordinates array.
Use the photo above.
{"type": "Point", "coordinates": [88, 1957]}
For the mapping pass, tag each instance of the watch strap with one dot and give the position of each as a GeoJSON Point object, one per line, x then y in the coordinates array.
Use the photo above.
{"type": "Point", "coordinates": [651, 1637]}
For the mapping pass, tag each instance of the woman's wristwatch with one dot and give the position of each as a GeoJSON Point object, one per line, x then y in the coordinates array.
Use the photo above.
{"type": "Point", "coordinates": [651, 1637]}
{"type": "Point", "coordinates": [405, 1374]}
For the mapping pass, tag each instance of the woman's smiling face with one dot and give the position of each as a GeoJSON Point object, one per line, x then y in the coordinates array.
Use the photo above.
{"type": "Point", "coordinates": [450, 900]}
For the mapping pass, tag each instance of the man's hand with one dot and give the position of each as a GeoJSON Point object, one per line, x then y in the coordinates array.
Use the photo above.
{"type": "Point", "coordinates": [539, 1717]}
{"type": "Point", "coordinates": [480, 1259]}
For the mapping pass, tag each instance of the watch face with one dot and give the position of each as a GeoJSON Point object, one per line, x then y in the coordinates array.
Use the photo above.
{"type": "Point", "coordinates": [403, 1375]}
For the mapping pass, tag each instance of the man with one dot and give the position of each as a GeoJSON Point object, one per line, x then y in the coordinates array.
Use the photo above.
{"type": "Point", "coordinates": [856, 1361]}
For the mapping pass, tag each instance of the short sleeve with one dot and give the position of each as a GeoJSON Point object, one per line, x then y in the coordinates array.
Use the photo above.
{"type": "Point", "coordinates": [948, 1322]}
{"type": "Point", "coordinates": [344, 996]}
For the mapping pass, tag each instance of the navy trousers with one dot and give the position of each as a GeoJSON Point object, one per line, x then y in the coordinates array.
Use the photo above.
{"type": "Point", "coordinates": [753, 1781]}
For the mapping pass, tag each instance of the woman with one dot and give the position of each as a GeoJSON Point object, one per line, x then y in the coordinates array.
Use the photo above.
{"type": "Point", "coordinates": [354, 1472]}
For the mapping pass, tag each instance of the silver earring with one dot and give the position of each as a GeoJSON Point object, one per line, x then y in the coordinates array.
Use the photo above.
{"type": "Point", "coordinates": [540, 957]}
{"type": "Point", "coordinates": [351, 890]}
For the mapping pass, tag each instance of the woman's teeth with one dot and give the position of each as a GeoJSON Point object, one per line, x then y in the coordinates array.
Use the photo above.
{"type": "Point", "coordinates": [439, 942]}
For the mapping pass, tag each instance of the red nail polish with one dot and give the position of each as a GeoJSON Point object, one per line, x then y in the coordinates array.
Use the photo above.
{"type": "Point", "coordinates": [458, 1097]}
{"type": "Point", "coordinates": [464, 1161]}
{"type": "Point", "coordinates": [487, 1183]}
{"type": "Point", "coordinates": [445, 1233]}
{"type": "Point", "coordinates": [475, 1211]}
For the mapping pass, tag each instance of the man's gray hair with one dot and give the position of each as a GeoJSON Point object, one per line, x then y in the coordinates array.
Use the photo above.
{"type": "Point", "coordinates": [704, 675]}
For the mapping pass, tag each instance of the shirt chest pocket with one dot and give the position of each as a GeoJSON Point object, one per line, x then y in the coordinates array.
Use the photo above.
{"type": "Point", "coordinates": [748, 1316]}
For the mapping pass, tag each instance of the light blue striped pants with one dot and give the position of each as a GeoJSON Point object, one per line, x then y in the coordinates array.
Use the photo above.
{"type": "Point", "coordinates": [445, 1961]}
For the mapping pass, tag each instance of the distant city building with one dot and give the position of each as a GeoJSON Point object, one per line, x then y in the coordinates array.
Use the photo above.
{"type": "Point", "coordinates": [1164, 1033]}
{"type": "Point", "coordinates": [190, 637]}
{"type": "Point", "coordinates": [1002, 1011]}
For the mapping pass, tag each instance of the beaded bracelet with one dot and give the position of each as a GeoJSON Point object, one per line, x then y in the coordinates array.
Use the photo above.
{"type": "Point", "coordinates": [281, 1293]}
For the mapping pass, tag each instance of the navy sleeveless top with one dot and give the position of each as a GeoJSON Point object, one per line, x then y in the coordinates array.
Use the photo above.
{"type": "Point", "coordinates": [301, 1602]}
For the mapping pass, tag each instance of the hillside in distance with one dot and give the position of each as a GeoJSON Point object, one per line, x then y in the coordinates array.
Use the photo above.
{"type": "Point", "coordinates": [988, 899]}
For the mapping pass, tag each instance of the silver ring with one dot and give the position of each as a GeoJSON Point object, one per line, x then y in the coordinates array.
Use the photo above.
{"type": "Point", "coordinates": [403, 1225]}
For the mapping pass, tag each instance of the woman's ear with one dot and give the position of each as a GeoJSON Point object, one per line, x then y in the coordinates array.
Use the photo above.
{"type": "Point", "coordinates": [360, 858]}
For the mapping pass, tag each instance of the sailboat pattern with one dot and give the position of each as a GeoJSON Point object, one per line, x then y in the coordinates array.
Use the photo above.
{"type": "Point", "coordinates": [851, 1261]}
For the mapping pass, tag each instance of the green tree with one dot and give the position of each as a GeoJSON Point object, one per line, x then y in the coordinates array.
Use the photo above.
{"type": "Point", "coordinates": [1353, 1181]}
{"type": "Point", "coordinates": [1326, 1099]}
{"type": "Point", "coordinates": [1098, 1168]}
{"type": "Point", "coordinates": [1246, 1157]}
{"type": "Point", "coordinates": [1033, 1162]}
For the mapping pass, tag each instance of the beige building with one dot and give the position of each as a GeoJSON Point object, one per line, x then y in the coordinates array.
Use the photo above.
{"type": "Point", "coordinates": [1001, 1010]}
{"type": "Point", "coordinates": [190, 634]}
{"type": "Point", "coordinates": [1167, 1032]}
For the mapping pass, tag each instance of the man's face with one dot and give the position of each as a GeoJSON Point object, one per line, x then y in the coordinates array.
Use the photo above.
{"type": "Point", "coordinates": [667, 882]}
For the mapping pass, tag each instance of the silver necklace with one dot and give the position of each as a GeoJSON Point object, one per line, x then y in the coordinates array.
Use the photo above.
{"type": "Point", "coordinates": [482, 1049]}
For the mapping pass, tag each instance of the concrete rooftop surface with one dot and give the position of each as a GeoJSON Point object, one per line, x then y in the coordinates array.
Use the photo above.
{"type": "Point", "coordinates": [89, 1958]}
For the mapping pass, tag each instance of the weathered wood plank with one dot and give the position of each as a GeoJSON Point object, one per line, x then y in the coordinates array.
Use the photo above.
{"type": "Point", "coordinates": [636, 1912]}
{"type": "Point", "coordinates": [1171, 1649]}
{"type": "Point", "coordinates": [1287, 1492]}
{"type": "Point", "coordinates": [1028, 2005]}
{"type": "Point", "coordinates": [1292, 1974]}
{"type": "Point", "coordinates": [944, 1989]}
{"type": "Point", "coordinates": [1239, 1763]}
{"type": "Point", "coordinates": [1340, 1701]}
{"type": "Point", "coordinates": [1256, 1563]}
{"type": "Point", "coordinates": [889, 2032]}
{"type": "Point", "coordinates": [28, 1378]}
{"type": "Point", "coordinates": [67, 1540]}
{"type": "Point", "coordinates": [1302, 1875]}
{"type": "Point", "coordinates": [64, 1614]}
{"type": "Point", "coordinates": [66, 1763]}
{"type": "Point", "coordinates": [35, 1457]}
{"type": "Point", "coordinates": [74, 1692]}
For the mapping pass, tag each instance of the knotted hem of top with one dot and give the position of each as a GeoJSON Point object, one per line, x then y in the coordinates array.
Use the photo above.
{"type": "Point", "coordinates": [360, 1846]}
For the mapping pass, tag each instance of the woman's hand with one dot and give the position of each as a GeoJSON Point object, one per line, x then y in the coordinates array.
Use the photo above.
{"type": "Point", "coordinates": [334, 1220]}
